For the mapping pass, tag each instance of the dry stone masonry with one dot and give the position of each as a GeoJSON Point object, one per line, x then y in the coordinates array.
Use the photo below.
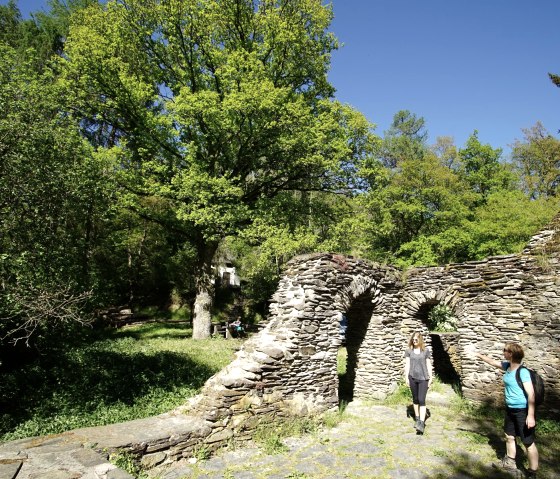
{"type": "Point", "coordinates": [290, 366]}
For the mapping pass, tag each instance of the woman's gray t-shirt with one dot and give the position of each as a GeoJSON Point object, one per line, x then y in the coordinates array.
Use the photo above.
{"type": "Point", "coordinates": [418, 367]}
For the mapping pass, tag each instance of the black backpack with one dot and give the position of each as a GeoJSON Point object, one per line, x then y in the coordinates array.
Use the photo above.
{"type": "Point", "coordinates": [538, 384]}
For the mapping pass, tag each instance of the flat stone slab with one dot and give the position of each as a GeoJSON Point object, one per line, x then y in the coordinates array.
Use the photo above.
{"type": "Point", "coordinates": [76, 454]}
{"type": "Point", "coordinates": [10, 470]}
{"type": "Point", "coordinates": [165, 427]}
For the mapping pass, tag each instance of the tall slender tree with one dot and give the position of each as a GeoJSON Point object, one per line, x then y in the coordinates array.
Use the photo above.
{"type": "Point", "coordinates": [482, 169]}
{"type": "Point", "coordinates": [405, 139]}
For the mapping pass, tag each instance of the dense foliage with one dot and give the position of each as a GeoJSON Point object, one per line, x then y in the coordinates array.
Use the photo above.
{"type": "Point", "coordinates": [214, 109]}
{"type": "Point", "coordinates": [144, 142]}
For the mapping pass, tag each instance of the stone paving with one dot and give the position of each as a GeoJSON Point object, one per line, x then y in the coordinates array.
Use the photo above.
{"type": "Point", "coordinates": [55, 457]}
{"type": "Point", "coordinates": [373, 441]}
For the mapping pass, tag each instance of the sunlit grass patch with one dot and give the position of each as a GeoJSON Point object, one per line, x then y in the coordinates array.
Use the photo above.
{"type": "Point", "coordinates": [270, 433]}
{"type": "Point", "coordinates": [400, 396]}
{"type": "Point", "coordinates": [341, 360]}
{"type": "Point", "coordinates": [333, 418]}
{"type": "Point", "coordinates": [129, 373]}
{"type": "Point", "coordinates": [440, 452]}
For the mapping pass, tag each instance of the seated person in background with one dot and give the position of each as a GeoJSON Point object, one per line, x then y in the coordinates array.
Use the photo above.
{"type": "Point", "coordinates": [237, 328]}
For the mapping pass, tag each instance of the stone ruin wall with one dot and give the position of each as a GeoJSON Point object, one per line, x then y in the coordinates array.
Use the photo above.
{"type": "Point", "coordinates": [290, 366]}
{"type": "Point", "coordinates": [501, 299]}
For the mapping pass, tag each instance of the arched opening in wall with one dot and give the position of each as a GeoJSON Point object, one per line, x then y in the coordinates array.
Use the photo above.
{"type": "Point", "coordinates": [444, 338]}
{"type": "Point", "coordinates": [357, 317]}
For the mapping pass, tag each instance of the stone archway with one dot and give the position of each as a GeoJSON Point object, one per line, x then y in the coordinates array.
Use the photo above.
{"type": "Point", "coordinates": [358, 316]}
{"type": "Point", "coordinates": [289, 367]}
{"type": "Point", "coordinates": [445, 357]}
{"type": "Point", "coordinates": [417, 305]}
{"type": "Point", "coordinates": [446, 361]}
{"type": "Point", "coordinates": [358, 299]}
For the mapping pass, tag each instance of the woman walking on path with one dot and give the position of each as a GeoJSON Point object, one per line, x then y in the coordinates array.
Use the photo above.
{"type": "Point", "coordinates": [418, 376]}
{"type": "Point", "coordinates": [520, 409]}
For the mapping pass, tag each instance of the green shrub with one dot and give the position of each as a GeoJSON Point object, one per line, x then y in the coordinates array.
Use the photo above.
{"type": "Point", "coordinates": [442, 319]}
{"type": "Point", "coordinates": [333, 418]}
{"type": "Point", "coordinates": [127, 462]}
{"type": "Point", "coordinates": [270, 440]}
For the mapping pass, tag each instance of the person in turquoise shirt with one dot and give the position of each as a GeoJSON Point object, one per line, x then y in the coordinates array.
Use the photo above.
{"type": "Point", "coordinates": [520, 409]}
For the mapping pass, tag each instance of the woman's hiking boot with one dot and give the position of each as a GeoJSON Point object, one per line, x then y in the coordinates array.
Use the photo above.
{"type": "Point", "coordinates": [416, 422]}
{"type": "Point", "coordinates": [530, 474]}
{"type": "Point", "coordinates": [420, 426]}
{"type": "Point", "coordinates": [507, 464]}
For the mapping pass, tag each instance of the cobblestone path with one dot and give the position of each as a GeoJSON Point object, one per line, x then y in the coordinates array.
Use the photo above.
{"type": "Point", "coordinates": [372, 441]}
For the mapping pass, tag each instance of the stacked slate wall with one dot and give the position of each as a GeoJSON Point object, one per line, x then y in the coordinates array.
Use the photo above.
{"type": "Point", "coordinates": [290, 366]}
{"type": "Point", "coordinates": [497, 300]}
{"type": "Point", "coordinates": [501, 299]}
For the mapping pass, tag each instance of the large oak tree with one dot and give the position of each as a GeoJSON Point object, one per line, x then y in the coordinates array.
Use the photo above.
{"type": "Point", "coordinates": [215, 106]}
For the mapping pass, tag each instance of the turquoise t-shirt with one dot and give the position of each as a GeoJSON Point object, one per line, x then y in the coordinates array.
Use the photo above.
{"type": "Point", "coordinates": [514, 395]}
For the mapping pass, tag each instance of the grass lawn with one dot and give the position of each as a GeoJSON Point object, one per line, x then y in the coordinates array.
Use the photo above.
{"type": "Point", "coordinates": [115, 375]}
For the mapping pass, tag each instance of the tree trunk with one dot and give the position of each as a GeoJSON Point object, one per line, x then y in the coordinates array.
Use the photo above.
{"type": "Point", "coordinates": [202, 311]}
{"type": "Point", "coordinates": [202, 317]}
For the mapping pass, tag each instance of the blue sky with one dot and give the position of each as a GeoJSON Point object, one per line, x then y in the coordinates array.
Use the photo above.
{"type": "Point", "coordinates": [460, 64]}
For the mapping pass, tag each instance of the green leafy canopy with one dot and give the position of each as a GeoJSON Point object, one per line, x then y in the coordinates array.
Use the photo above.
{"type": "Point", "coordinates": [217, 103]}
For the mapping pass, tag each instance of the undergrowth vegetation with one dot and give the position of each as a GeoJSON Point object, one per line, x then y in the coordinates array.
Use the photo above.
{"type": "Point", "coordinates": [110, 376]}
{"type": "Point", "coordinates": [139, 371]}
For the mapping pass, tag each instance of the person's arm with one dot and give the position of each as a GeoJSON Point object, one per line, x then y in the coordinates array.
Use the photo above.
{"type": "Point", "coordinates": [406, 369]}
{"type": "Point", "coordinates": [429, 367]}
{"type": "Point", "coordinates": [489, 360]}
{"type": "Point", "coordinates": [528, 386]}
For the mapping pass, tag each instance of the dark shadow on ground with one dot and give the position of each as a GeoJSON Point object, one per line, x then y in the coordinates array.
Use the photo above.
{"type": "Point", "coordinates": [488, 424]}
{"type": "Point", "coordinates": [358, 316]}
{"type": "Point", "coordinates": [464, 466]}
{"type": "Point", "coordinates": [77, 384]}
{"type": "Point", "coordinates": [410, 412]}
